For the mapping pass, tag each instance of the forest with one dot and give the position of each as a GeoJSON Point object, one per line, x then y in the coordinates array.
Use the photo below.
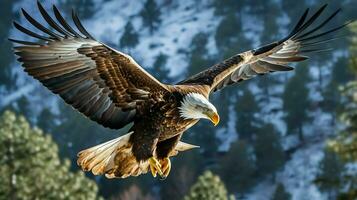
{"type": "Point", "coordinates": [287, 135]}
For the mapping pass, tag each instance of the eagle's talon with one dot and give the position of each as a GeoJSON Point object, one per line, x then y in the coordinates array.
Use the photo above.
{"type": "Point", "coordinates": [155, 167]}
{"type": "Point", "coordinates": [165, 167]}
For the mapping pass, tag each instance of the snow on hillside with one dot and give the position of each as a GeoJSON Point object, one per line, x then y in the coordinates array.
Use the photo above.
{"type": "Point", "coordinates": [297, 176]}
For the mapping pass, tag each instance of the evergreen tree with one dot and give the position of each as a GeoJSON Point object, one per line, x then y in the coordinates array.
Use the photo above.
{"type": "Point", "coordinates": [46, 120]}
{"type": "Point", "coordinates": [6, 57]}
{"type": "Point", "coordinates": [159, 70]}
{"type": "Point", "coordinates": [183, 175]}
{"type": "Point", "coordinates": [280, 193]}
{"type": "Point", "coordinates": [329, 178]}
{"type": "Point", "coordinates": [229, 36]}
{"type": "Point", "coordinates": [130, 38]}
{"type": "Point", "coordinates": [246, 108]}
{"type": "Point", "coordinates": [345, 144]}
{"type": "Point", "coordinates": [30, 167]}
{"type": "Point", "coordinates": [22, 107]}
{"type": "Point", "coordinates": [208, 187]}
{"type": "Point", "coordinates": [84, 8]}
{"type": "Point", "coordinates": [151, 15]}
{"type": "Point", "coordinates": [197, 60]}
{"type": "Point", "coordinates": [340, 75]}
{"type": "Point", "coordinates": [296, 101]}
{"type": "Point", "coordinates": [133, 193]}
{"type": "Point", "coordinates": [238, 168]}
{"type": "Point", "coordinates": [224, 7]}
{"type": "Point", "coordinates": [269, 153]}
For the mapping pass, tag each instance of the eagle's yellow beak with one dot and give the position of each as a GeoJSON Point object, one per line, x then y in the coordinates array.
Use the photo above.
{"type": "Point", "coordinates": [214, 117]}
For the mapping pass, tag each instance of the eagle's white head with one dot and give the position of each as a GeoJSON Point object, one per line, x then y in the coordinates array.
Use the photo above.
{"type": "Point", "coordinates": [196, 106]}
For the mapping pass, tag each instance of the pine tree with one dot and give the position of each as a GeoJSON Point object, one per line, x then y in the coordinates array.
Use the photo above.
{"type": "Point", "coordinates": [6, 57]}
{"type": "Point", "coordinates": [46, 120]}
{"type": "Point", "coordinates": [208, 187]}
{"type": "Point", "coordinates": [246, 108]}
{"type": "Point", "coordinates": [345, 144]}
{"type": "Point", "coordinates": [130, 38]}
{"type": "Point", "coordinates": [229, 36]}
{"type": "Point", "coordinates": [197, 60]}
{"type": "Point", "coordinates": [22, 107]}
{"type": "Point", "coordinates": [329, 178]}
{"type": "Point", "coordinates": [238, 169]}
{"type": "Point", "coordinates": [280, 193]}
{"type": "Point", "coordinates": [159, 70]}
{"type": "Point", "coordinates": [296, 101]}
{"type": "Point", "coordinates": [340, 75]}
{"type": "Point", "coordinates": [224, 7]}
{"type": "Point", "coordinates": [151, 15]}
{"type": "Point", "coordinates": [269, 153]}
{"type": "Point", "coordinates": [84, 8]}
{"type": "Point", "coordinates": [30, 167]}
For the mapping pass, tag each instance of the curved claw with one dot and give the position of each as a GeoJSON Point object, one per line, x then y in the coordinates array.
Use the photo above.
{"type": "Point", "coordinates": [155, 167]}
{"type": "Point", "coordinates": [165, 167]}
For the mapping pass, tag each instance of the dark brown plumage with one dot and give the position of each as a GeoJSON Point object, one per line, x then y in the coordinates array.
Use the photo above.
{"type": "Point", "coordinates": [109, 87]}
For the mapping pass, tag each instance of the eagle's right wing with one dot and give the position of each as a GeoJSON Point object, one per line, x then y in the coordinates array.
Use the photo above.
{"type": "Point", "coordinates": [104, 84]}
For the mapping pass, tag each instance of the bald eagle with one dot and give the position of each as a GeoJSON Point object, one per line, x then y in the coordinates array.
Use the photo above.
{"type": "Point", "coordinates": [110, 88]}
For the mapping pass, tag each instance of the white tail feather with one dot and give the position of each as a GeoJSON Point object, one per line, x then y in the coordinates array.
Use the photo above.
{"type": "Point", "coordinates": [113, 158]}
{"type": "Point", "coordinates": [182, 146]}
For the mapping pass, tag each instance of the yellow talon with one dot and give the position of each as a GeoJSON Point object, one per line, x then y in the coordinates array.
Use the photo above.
{"type": "Point", "coordinates": [165, 167]}
{"type": "Point", "coordinates": [155, 166]}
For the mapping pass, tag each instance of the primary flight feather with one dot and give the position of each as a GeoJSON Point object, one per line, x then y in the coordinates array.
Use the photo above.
{"type": "Point", "coordinates": [109, 87]}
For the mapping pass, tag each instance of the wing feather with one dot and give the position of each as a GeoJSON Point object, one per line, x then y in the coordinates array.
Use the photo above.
{"type": "Point", "coordinates": [272, 57]}
{"type": "Point", "coordinates": [104, 84]}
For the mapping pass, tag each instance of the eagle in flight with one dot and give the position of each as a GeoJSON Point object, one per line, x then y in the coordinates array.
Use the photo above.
{"type": "Point", "coordinates": [110, 88]}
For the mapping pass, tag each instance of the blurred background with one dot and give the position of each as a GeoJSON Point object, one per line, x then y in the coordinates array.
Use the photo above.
{"type": "Point", "coordinates": [283, 136]}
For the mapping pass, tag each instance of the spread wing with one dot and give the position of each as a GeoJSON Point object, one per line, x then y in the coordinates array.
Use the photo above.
{"type": "Point", "coordinates": [273, 57]}
{"type": "Point", "coordinates": [104, 84]}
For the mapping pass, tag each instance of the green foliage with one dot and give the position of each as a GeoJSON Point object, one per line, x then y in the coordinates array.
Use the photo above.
{"type": "Point", "coordinates": [223, 7]}
{"type": "Point", "coordinates": [238, 168]}
{"type": "Point", "coordinates": [208, 187]}
{"type": "Point", "coordinates": [340, 76]}
{"type": "Point", "coordinates": [331, 168]}
{"type": "Point", "coordinates": [229, 36]}
{"type": "Point", "coordinates": [269, 153]}
{"type": "Point", "coordinates": [246, 108]}
{"type": "Point", "coordinates": [280, 193]}
{"type": "Point", "coordinates": [296, 101]}
{"type": "Point", "coordinates": [159, 70]}
{"type": "Point", "coordinates": [30, 167]}
{"type": "Point", "coordinates": [151, 15]}
{"type": "Point", "coordinates": [6, 57]}
{"type": "Point", "coordinates": [46, 120]}
{"type": "Point", "coordinates": [182, 175]}
{"type": "Point", "coordinates": [84, 8]}
{"type": "Point", "coordinates": [197, 61]}
{"type": "Point", "coordinates": [353, 48]}
{"type": "Point", "coordinates": [345, 144]}
{"type": "Point", "coordinates": [130, 38]}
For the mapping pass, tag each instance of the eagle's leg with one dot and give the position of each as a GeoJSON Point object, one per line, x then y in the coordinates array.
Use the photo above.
{"type": "Point", "coordinates": [163, 150]}
{"type": "Point", "coordinates": [155, 167]}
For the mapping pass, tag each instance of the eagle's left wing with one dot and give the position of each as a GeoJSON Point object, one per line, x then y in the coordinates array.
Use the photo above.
{"type": "Point", "coordinates": [269, 58]}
